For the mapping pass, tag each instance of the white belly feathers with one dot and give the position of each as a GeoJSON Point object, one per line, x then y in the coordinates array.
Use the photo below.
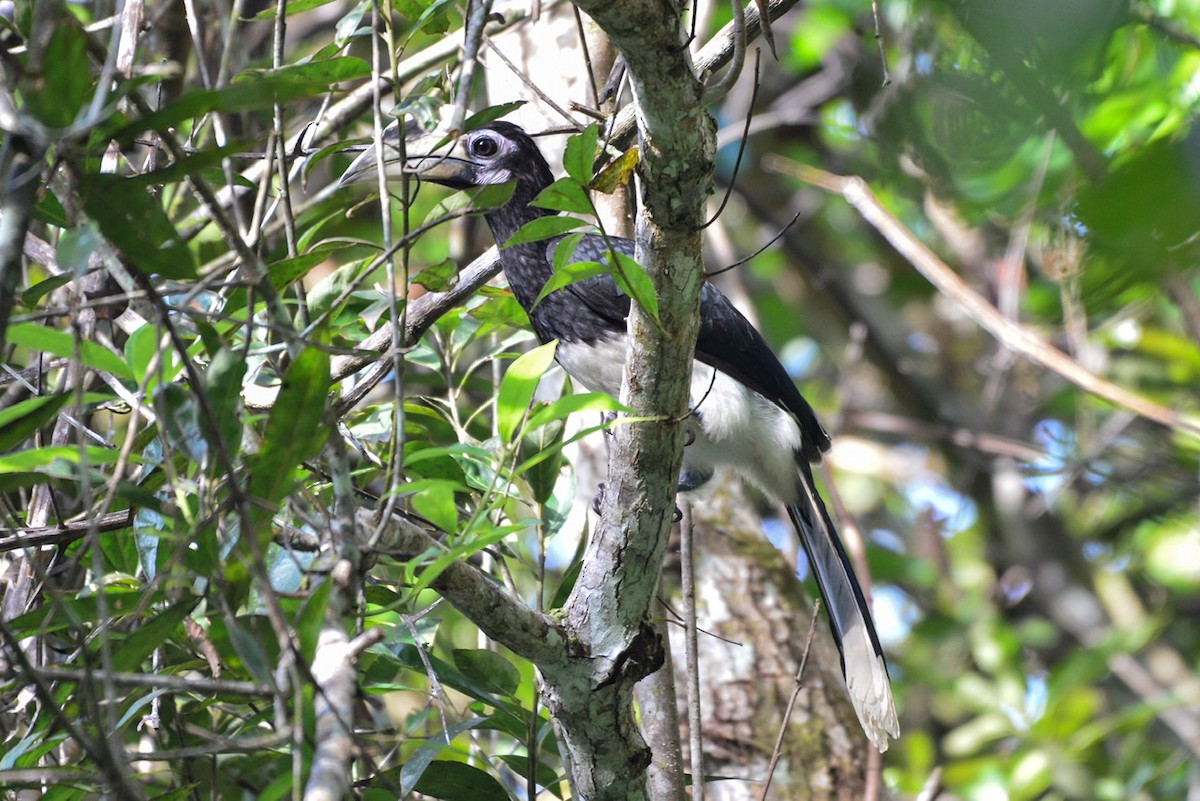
{"type": "Point", "coordinates": [735, 427]}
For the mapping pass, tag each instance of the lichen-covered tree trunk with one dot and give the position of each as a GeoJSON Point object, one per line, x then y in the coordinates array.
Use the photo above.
{"type": "Point", "coordinates": [754, 616]}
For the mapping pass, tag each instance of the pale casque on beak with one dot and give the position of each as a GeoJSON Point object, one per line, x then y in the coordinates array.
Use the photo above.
{"type": "Point", "coordinates": [424, 155]}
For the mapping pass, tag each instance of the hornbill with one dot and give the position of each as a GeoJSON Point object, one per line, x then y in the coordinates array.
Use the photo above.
{"type": "Point", "coordinates": [747, 414]}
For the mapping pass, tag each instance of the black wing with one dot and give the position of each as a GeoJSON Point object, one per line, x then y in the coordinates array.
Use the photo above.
{"type": "Point", "coordinates": [726, 341]}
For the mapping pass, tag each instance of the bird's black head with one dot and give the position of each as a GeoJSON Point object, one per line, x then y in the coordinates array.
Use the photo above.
{"type": "Point", "coordinates": [492, 154]}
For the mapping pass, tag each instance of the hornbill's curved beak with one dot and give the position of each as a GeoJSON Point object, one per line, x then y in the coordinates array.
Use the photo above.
{"type": "Point", "coordinates": [424, 155]}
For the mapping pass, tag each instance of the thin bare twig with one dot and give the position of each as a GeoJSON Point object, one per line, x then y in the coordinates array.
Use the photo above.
{"type": "Point", "coordinates": [721, 87]}
{"type": "Point", "coordinates": [691, 648]}
{"type": "Point", "coordinates": [791, 704]}
{"type": "Point", "coordinates": [156, 681]}
{"type": "Point", "coordinates": [737, 164]}
{"type": "Point", "coordinates": [887, 78]}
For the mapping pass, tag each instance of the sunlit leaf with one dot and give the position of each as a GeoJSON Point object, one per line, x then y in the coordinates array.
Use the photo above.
{"type": "Point", "coordinates": [316, 73]}
{"type": "Point", "coordinates": [291, 9]}
{"type": "Point", "coordinates": [564, 195]}
{"type": "Point", "coordinates": [40, 458]}
{"type": "Point", "coordinates": [484, 116]}
{"type": "Point", "coordinates": [571, 274]}
{"type": "Point", "coordinates": [517, 388]}
{"type": "Point", "coordinates": [580, 153]}
{"type": "Point", "coordinates": [475, 201]}
{"type": "Point", "coordinates": [543, 228]}
{"type": "Point", "coordinates": [634, 281]}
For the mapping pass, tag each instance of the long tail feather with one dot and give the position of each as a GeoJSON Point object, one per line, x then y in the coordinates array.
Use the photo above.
{"type": "Point", "coordinates": [863, 664]}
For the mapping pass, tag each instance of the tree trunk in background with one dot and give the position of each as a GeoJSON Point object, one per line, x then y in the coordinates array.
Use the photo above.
{"type": "Point", "coordinates": [754, 615]}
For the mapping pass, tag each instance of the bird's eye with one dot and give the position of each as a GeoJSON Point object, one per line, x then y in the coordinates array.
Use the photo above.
{"type": "Point", "coordinates": [484, 146]}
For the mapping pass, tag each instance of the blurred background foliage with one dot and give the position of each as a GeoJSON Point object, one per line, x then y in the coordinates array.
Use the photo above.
{"type": "Point", "coordinates": [1034, 548]}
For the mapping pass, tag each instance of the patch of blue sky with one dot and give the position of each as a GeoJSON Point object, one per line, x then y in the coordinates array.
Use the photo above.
{"type": "Point", "coordinates": [954, 510]}
{"type": "Point", "coordinates": [1033, 704]}
{"type": "Point", "coordinates": [1058, 448]}
{"type": "Point", "coordinates": [894, 611]}
{"type": "Point", "coordinates": [895, 614]}
{"type": "Point", "coordinates": [800, 356]}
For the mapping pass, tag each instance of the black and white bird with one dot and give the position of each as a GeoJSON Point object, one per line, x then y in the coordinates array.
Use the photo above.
{"type": "Point", "coordinates": [748, 415]}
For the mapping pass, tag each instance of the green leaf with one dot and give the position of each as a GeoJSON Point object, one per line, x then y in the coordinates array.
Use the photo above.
{"type": "Point", "coordinates": [420, 760]}
{"type": "Point", "coordinates": [31, 296]}
{"type": "Point", "coordinates": [543, 228]}
{"type": "Point", "coordinates": [11, 482]}
{"type": "Point", "coordinates": [223, 383]}
{"type": "Point", "coordinates": [433, 20]}
{"type": "Point", "coordinates": [546, 777]}
{"type": "Point", "coordinates": [501, 310]}
{"type": "Point", "coordinates": [77, 247]}
{"type": "Point", "coordinates": [564, 251]}
{"type": "Point", "coordinates": [617, 172]}
{"type": "Point", "coordinates": [438, 277]}
{"type": "Point", "coordinates": [314, 73]}
{"type": "Point", "coordinates": [571, 274]}
{"type": "Point", "coordinates": [19, 421]}
{"type": "Point", "coordinates": [477, 201]}
{"type": "Point", "coordinates": [205, 161]}
{"type": "Point", "coordinates": [573, 404]}
{"type": "Point", "coordinates": [565, 195]}
{"type": "Point", "coordinates": [262, 92]}
{"type": "Point", "coordinates": [458, 781]}
{"type": "Point", "coordinates": [248, 649]}
{"type": "Point", "coordinates": [140, 349]}
{"type": "Point", "coordinates": [135, 223]}
{"type": "Point", "coordinates": [488, 669]}
{"type": "Point", "coordinates": [580, 154]}
{"type": "Point", "coordinates": [634, 281]}
{"type": "Point", "coordinates": [294, 431]}
{"type": "Point", "coordinates": [334, 286]}
{"type": "Point", "coordinates": [152, 633]}
{"type": "Point", "coordinates": [312, 619]}
{"type": "Point", "coordinates": [60, 343]}
{"type": "Point", "coordinates": [1172, 553]}
{"type": "Point", "coordinates": [65, 85]}
{"type": "Point", "coordinates": [563, 592]}
{"type": "Point", "coordinates": [291, 9]}
{"type": "Point", "coordinates": [517, 388]}
{"type": "Point", "coordinates": [484, 116]}
{"type": "Point", "coordinates": [542, 473]}
{"type": "Point", "coordinates": [35, 458]}
{"type": "Point", "coordinates": [434, 499]}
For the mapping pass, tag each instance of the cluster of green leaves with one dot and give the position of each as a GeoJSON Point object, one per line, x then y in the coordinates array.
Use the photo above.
{"type": "Point", "coordinates": [206, 513]}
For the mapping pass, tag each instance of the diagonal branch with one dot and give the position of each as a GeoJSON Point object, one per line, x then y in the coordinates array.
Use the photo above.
{"type": "Point", "coordinates": [1011, 334]}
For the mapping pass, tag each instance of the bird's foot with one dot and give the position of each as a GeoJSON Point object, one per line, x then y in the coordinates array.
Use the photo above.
{"type": "Point", "coordinates": [607, 421]}
{"type": "Point", "coordinates": [692, 479]}
{"type": "Point", "coordinates": [598, 498]}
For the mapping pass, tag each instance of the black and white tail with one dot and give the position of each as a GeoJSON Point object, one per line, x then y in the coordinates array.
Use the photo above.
{"type": "Point", "coordinates": [853, 629]}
